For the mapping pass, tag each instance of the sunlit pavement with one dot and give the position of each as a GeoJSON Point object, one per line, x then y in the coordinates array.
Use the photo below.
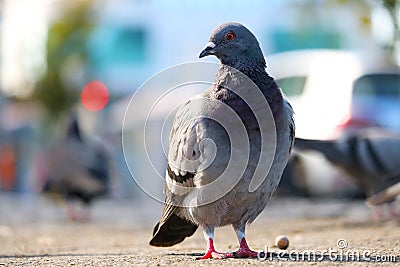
{"type": "Point", "coordinates": [34, 231]}
{"type": "Point", "coordinates": [144, 211]}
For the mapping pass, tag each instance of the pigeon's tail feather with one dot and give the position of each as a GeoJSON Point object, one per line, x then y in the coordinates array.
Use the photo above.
{"type": "Point", "coordinates": [171, 232]}
{"type": "Point", "coordinates": [385, 196]}
{"type": "Point", "coordinates": [328, 148]}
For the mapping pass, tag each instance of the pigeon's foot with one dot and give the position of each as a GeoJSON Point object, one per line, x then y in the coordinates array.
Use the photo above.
{"type": "Point", "coordinates": [385, 212]}
{"type": "Point", "coordinates": [80, 218]}
{"type": "Point", "coordinates": [77, 215]}
{"type": "Point", "coordinates": [244, 251]}
{"type": "Point", "coordinates": [211, 253]}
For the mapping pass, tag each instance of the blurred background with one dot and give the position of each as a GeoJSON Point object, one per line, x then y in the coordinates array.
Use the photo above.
{"type": "Point", "coordinates": [336, 60]}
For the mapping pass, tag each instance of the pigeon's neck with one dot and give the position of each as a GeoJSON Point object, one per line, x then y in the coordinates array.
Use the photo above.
{"type": "Point", "coordinates": [247, 65]}
{"type": "Point", "coordinates": [227, 77]}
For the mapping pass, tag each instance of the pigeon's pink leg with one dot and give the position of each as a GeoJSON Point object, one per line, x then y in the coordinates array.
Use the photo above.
{"type": "Point", "coordinates": [71, 212]}
{"type": "Point", "coordinates": [85, 213]}
{"type": "Point", "coordinates": [244, 251]}
{"type": "Point", "coordinates": [393, 212]}
{"type": "Point", "coordinates": [211, 253]}
{"type": "Point", "coordinates": [384, 212]}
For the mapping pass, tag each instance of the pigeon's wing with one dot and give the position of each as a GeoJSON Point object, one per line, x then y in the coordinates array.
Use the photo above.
{"type": "Point", "coordinates": [336, 152]}
{"type": "Point", "coordinates": [183, 162]}
{"type": "Point", "coordinates": [98, 163]}
{"type": "Point", "coordinates": [380, 155]}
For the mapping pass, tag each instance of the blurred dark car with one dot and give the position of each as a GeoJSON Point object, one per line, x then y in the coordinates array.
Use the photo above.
{"type": "Point", "coordinates": [375, 102]}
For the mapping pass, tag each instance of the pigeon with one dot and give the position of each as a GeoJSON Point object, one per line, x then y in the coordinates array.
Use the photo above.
{"type": "Point", "coordinates": [219, 142]}
{"type": "Point", "coordinates": [77, 169]}
{"type": "Point", "coordinates": [370, 157]}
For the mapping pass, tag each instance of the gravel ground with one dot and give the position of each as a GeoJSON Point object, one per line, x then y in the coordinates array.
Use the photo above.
{"type": "Point", "coordinates": [120, 230]}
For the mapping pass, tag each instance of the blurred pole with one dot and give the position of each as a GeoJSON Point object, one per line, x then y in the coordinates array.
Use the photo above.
{"type": "Point", "coordinates": [1, 67]}
{"type": "Point", "coordinates": [393, 7]}
{"type": "Point", "coordinates": [1, 38]}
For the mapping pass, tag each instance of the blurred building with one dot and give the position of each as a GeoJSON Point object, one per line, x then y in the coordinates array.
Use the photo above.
{"type": "Point", "coordinates": [131, 40]}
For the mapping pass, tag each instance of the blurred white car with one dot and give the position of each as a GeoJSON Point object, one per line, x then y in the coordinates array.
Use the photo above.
{"type": "Point", "coordinates": [334, 91]}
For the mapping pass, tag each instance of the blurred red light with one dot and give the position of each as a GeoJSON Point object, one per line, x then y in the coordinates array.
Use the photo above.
{"type": "Point", "coordinates": [95, 96]}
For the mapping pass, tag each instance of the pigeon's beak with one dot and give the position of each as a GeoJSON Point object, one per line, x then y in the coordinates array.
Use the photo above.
{"type": "Point", "coordinates": [208, 50]}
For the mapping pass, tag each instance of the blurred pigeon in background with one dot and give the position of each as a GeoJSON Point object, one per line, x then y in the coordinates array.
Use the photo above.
{"type": "Point", "coordinates": [77, 169]}
{"type": "Point", "coordinates": [371, 157]}
{"type": "Point", "coordinates": [194, 162]}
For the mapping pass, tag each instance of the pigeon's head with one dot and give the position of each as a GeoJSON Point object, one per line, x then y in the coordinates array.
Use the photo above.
{"type": "Point", "coordinates": [231, 43]}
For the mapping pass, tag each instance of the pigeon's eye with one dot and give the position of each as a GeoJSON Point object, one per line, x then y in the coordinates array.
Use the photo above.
{"type": "Point", "coordinates": [230, 36]}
